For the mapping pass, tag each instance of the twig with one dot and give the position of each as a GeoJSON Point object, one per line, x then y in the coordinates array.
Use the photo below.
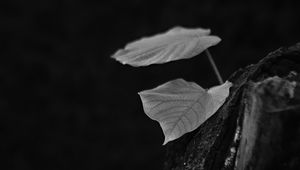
{"type": "Point", "coordinates": [211, 60]}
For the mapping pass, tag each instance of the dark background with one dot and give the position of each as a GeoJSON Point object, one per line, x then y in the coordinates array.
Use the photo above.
{"type": "Point", "coordinates": [65, 104]}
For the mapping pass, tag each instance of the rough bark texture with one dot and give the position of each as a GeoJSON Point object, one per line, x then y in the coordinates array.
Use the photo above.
{"type": "Point", "coordinates": [258, 127]}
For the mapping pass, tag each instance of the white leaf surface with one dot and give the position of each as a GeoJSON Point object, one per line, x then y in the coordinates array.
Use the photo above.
{"type": "Point", "coordinates": [180, 106]}
{"type": "Point", "coordinates": [175, 44]}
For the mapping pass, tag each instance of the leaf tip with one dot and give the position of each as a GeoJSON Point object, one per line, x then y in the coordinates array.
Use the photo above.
{"type": "Point", "coordinates": [121, 56]}
{"type": "Point", "coordinates": [214, 40]}
{"type": "Point", "coordinates": [218, 39]}
{"type": "Point", "coordinates": [169, 138]}
{"type": "Point", "coordinates": [165, 142]}
{"type": "Point", "coordinates": [141, 93]}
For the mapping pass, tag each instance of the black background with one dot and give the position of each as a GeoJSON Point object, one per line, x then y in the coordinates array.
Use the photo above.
{"type": "Point", "coordinates": [65, 104]}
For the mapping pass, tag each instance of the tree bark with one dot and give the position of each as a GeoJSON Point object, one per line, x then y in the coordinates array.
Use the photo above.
{"type": "Point", "coordinates": [258, 127]}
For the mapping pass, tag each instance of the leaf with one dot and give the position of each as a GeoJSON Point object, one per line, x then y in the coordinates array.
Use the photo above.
{"type": "Point", "coordinates": [175, 44]}
{"type": "Point", "coordinates": [180, 106]}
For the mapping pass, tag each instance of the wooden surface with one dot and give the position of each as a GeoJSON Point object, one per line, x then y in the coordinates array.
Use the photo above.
{"type": "Point", "coordinates": [256, 128]}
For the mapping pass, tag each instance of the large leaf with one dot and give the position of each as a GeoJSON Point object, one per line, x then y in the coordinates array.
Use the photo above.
{"type": "Point", "coordinates": [180, 106]}
{"type": "Point", "coordinates": [175, 44]}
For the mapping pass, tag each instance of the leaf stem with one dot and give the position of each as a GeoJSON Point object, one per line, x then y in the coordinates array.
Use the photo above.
{"type": "Point", "coordinates": [212, 62]}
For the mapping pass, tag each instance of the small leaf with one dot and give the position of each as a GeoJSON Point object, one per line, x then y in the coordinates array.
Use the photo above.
{"type": "Point", "coordinates": [180, 106]}
{"type": "Point", "coordinates": [175, 44]}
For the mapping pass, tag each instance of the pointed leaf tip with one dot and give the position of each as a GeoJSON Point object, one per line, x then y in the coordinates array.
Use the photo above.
{"type": "Point", "coordinates": [175, 44]}
{"type": "Point", "coordinates": [181, 107]}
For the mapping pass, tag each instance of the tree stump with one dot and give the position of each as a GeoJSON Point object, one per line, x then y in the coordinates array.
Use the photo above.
{"type": "Point", "coordinates": [258, 127]}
